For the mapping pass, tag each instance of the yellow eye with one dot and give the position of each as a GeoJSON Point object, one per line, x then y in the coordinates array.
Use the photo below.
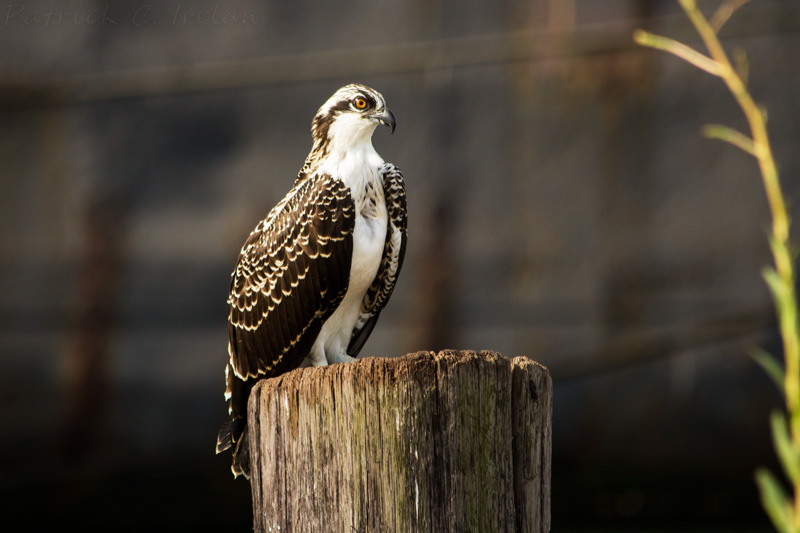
{"type": "Point", "coordinates": [360, 102]}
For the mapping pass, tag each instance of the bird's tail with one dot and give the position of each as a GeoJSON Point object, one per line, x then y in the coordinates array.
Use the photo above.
{"type": "Point", "coordinates": [227, 439]}
{"type": "Point", "coordinates": [224, 437]}
{"type": "Point", "coordinates": [241, 456]}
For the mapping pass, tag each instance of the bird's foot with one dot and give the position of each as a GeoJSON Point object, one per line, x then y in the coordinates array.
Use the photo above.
{"type": "Point", "coordinates": [340, 358]}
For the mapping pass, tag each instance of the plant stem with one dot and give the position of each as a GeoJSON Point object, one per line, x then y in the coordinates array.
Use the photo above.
{"type": "Point", "coordinates": [786, 299]}
{"type": "Point", "coordinates": [754, 117]}
{"type": "Point", "coordinates": [781, 280]}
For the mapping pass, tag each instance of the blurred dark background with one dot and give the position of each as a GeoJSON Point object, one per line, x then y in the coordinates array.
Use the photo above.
{"type": "Point", "coordinates": [563, 206]}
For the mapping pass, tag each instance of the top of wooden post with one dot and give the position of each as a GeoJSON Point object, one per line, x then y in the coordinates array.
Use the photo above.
{"type": "Point", "coordinates": [448, 441]}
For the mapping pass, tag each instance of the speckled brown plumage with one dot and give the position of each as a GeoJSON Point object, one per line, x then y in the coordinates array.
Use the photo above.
{"type": "Point", "coordinates": [294, 269]}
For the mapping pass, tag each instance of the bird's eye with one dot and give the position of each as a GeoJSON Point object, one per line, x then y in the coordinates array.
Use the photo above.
{"type": "Point", "coordinates": [360, 102]}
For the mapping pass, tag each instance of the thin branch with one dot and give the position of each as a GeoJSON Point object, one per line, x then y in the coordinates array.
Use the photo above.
{"type": "Point", "coordinates": [724, 133]}
{"type": "Point", "coordinates": [684, 52]}
{"type": "Point", "coordinates": [724, 12]}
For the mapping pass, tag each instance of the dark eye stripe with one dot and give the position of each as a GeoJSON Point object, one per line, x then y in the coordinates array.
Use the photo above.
{"type": "Point", "coordinates": [347, 104]}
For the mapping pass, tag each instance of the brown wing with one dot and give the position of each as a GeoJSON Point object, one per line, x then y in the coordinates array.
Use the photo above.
{"type": "Point", "coordinates": [292, 273]}
{"type": "Point", "coordinates": [394, 191]}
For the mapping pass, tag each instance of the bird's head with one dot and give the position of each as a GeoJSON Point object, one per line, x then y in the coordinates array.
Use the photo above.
{"type": "Point", "coordinates": [350, 116]}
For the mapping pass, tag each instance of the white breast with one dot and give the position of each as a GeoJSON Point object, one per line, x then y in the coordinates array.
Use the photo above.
{"type": "Point", "coordinates": [359, 171]}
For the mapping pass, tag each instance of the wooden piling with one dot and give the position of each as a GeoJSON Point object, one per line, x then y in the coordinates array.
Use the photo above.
{"type": "Point", "coordinates": [430, 442]}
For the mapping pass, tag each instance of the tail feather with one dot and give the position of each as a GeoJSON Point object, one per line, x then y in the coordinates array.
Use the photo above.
{"type": "Point", "coordinates": [241, 456]}
{"type": "Point", "coordinates": [234, 436]}
{"type": "Point", "coordinates": [224, 437]}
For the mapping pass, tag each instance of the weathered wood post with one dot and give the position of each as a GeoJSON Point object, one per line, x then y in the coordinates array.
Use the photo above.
{"type": "Point", "coordinates": [454, 441]}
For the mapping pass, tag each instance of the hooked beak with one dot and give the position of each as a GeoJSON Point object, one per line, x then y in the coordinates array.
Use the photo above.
{"type": "Point", "coordinates": [386, 118]}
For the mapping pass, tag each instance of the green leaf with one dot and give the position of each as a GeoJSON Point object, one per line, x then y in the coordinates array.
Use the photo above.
{"type": "Point", "coordinates": [783, 447]}
{"type": "Point", "coordinates": [742, 65]}
{"type": "Point", "coordinates": [771, 366]}
{"type": "Point", "coordinates": [774, 501]}
{"type": "Point", "coordinates": [775, 284]}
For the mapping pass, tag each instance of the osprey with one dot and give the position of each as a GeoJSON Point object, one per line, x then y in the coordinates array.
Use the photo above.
{"type": "Point", "coordinates": [312, 277]}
